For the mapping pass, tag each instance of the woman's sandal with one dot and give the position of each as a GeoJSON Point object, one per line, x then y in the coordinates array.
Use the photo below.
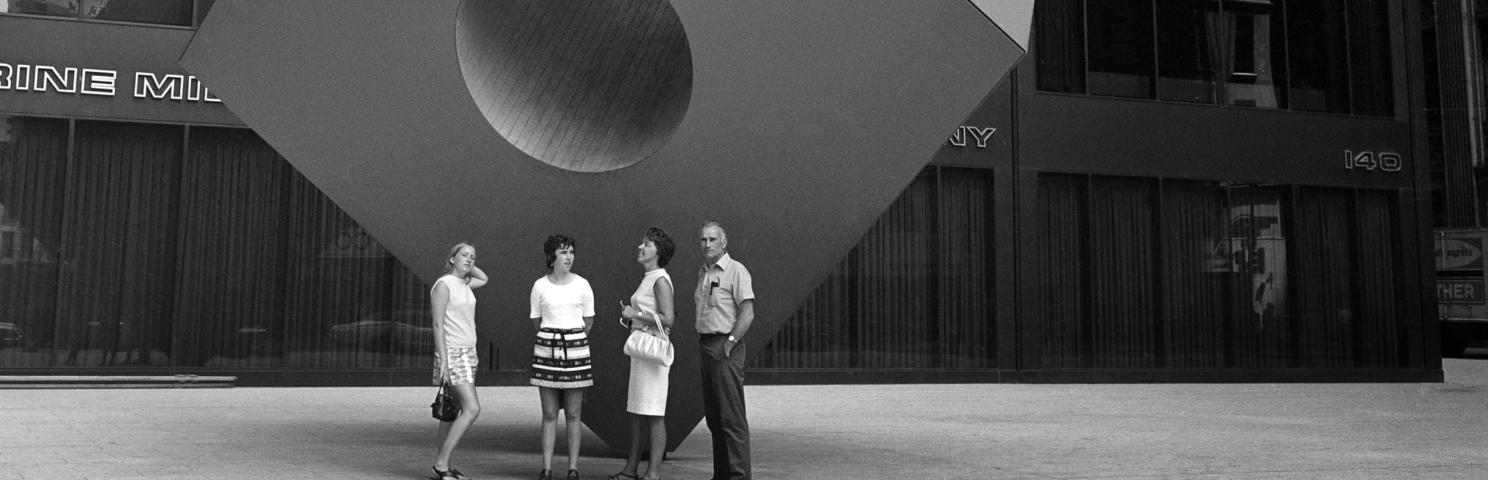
{"type": "Point", "coordinates": [572, 475]}
{"type": "Point", "coordinates": [447, 474]}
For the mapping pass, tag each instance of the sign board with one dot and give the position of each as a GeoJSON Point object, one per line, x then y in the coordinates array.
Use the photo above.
{"type": "Point", "coordinates": [1459, 254]}
{"type": "Point", "coordinates": [1460, 291]}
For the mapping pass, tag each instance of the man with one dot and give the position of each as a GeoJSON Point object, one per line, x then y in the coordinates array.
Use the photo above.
{"type": "Point", "coordinates": [725, 309]}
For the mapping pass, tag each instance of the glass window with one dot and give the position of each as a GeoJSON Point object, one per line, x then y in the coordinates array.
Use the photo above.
{"type": "Point", "coordinates": [33, 162]}
{"type": "Point", "coordinates": [1212, 52]}
{"type": "Point", "coordinates": [1258, 70]}
{"type": "Point", "coordinates": [916, 292]}
{"type": "Point", "coordinates": [202, 7]}
{"type": "Point", "coordinates": [1193, 41]}
{"type": "Point", "coordinates": [1260, 326]}
{"type": "Point", "coordinates": [1319, 55]}
{"type": "Point", "coordinates": [1059, 45]}
{"type": "Point", "coordinates": [122, 249]}
{"type": "Point", "coordinates": [1315, 55]}
{"type": "Point", "coordinates": [1372, 80]}
{"type": "Point", "coordinates": [58, 8]}
{"type": "Point", "coordinates": [166, 12]}
{"type": "Point", "coordinates": [1121, 47]}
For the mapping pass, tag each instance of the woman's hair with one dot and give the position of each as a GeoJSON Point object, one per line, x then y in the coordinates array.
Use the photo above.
{"type": "Point", "coordinates": [555, 242]}
{"type": "Point", "coordinates": [665, 247]}
{"type": "Point", "coordinates": [449, 262]}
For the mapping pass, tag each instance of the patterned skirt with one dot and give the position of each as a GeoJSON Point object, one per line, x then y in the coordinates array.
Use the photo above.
{"type": "Point", "coordinates": [560, 359]}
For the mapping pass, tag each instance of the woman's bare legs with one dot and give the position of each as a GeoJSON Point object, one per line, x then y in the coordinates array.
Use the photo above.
{"type": "Point", "coordinates": [633, 460]}
{"type": "Point", "coordinates": [573, 407]}
{"type": "Point", "coordinates": [451, 432]}
{"type": "Point", "coordinates": [550, 404]}
{"type": "Point", "coordinates": [658, 445]}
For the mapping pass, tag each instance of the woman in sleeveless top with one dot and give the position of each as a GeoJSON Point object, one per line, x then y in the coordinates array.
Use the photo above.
{"type": "Point", "coordinates": [650, 311]}
{"type": "Point", "coordinates": [562, 313]}
{"type": "Point", "coordinates": [452, 303]}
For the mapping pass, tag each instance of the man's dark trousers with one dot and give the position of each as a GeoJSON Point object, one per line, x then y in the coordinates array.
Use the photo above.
{"type": "Point", "coordinates": [723, 406]}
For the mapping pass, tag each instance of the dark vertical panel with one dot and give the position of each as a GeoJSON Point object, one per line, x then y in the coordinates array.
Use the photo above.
{"type": "Point", "coordinates": [229, 303]}
{"type": "Point", "coordinates": [1378, 319]}
{"type": "Point", "coordinates": [915, 292]}
{"type": "Point", "coordinates": [33, 163]}
{"type": "Point", "coordinates": [818, 335]}
{"type": "Point", "coordinates": [119, 234]}
{"type": "Point", "coordinates": [1260, 324]}
{"type": "Point", "coordinates": [346, 306]}
{"type": "Point", "coordinates": [1122, 289]}
{"type": "Point", "coordinates": [1372, 79]}
{"type": "Point", "coordinates": [1198, 269]}
{"type": "Point", "coordinates": [1449, 98]}
{"type": "Point", "coordinates": [1194, 50]}
{"type": "Point", "coordinates": [1318, 51]}
{"type": "Point", "coordinates": [1059, 45]}
{"type": "Point", "coordinates": [965, 288]}
{"type": "Point", "coordinates": [1121, 46]}
{"type": "Point", "coordinates": [1324, 279]}
{"type": "Point", "coordinates": [895, 272]}
{"type": "Point", "coordinates": [1061, 248]}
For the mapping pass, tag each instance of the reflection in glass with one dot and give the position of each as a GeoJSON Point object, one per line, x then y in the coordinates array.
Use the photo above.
{"type": "Point", "coordinates": [166, 12]}
{"type": "Point", "coordinates": [59, 8]}
{"type": "Point", "coordinates": [132, 257]}
{"type": "Point", "coordinates": [1120, 48]}
{"type": "Point", "coordinates": [1059, 45]}
{"type": "Point", "coordinates": [1316, 37]}
{"type": "Point", "coordinates": [1258, 256]}
{"type": "Point", "coordinates": [1210, 52]}
{"type": "Point", "coordinates": [914, 293]}
{"type": "Point", "coordinates": [33, 158]}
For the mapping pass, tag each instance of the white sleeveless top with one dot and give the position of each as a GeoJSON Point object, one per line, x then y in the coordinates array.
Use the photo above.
{"type": "Point", "coordinates": [644, 298]}
{"type": "Point", "coordinates": [459, 314]}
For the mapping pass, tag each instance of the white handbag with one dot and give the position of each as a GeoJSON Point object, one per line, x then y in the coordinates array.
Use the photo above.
{"type": "Point", "coordinates": [650, 347]}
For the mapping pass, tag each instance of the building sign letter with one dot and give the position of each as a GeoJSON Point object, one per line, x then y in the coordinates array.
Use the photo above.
{"type": "Point", "coordinates": [980, 135]}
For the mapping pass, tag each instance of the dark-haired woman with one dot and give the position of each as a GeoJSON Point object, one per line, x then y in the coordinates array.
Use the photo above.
{"type": "Point", "coordinates": [452, 303]}
{"type": "Point", "coordinates": [650, 311]}
{"type": "Point", "coordinates": [562, 313]}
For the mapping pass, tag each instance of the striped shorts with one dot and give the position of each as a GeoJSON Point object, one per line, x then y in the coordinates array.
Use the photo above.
{"type": "Point", "coordinates": [560, 359]}
{"type": "Point", "coordinates": [462, 365]}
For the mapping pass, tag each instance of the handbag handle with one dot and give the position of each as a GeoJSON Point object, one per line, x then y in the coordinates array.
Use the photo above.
{"type": "Point", "coordinates": [659, 327]}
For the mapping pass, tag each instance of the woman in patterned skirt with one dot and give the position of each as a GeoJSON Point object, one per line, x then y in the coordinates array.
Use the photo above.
{"type": "Point", "coordinates": [562, 313]}
{"type": "Point", "coordinates": [650, 311]}
{"type": "Point", "coordinates": [453, 306]}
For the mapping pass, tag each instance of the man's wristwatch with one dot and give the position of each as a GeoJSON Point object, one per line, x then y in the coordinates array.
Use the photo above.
{"type": "Point", "coordinates": [732, 339]}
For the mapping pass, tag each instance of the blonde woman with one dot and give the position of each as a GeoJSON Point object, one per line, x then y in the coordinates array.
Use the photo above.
{"type": "Point", "coordinates": [452, 303]}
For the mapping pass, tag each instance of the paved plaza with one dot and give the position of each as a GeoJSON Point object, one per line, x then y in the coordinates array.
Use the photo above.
{"type": "Point", "coordinates": [985, 431]}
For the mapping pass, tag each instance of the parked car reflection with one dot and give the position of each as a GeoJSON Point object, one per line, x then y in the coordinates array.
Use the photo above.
{"type": "Point", "coordinates": [10, 336]}
{"type": "Point", "coordinates": [401, 331]}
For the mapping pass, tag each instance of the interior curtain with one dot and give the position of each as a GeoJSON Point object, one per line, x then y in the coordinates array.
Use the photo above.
{"type": "Point", "coordinates": [118, 245]}
{"type": "Point", "coordinates": [1219, 28]}
{"type": "Point", "coordinates": [1059, 45]}
{"type": "Point", "coordinates": [33, 164]}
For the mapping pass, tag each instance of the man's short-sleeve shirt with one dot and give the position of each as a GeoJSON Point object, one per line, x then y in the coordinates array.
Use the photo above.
{"type": "Point", "coordinates": [721, 288]}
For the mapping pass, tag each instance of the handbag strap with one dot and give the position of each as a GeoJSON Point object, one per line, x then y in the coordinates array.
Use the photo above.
{"type": "Point", "coordinates": [659, 327]}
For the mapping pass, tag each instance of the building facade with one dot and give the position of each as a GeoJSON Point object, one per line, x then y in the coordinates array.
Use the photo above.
{"type": "Point", "coordinates": [1161, 190]}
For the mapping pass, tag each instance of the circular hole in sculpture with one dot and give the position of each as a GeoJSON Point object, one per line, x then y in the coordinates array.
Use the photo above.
{"type": "Point", "coordinates": [586, 86]}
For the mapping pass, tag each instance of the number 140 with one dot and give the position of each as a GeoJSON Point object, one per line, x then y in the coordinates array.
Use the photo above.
{"type": "Point", "coordinates": [1383, 161]}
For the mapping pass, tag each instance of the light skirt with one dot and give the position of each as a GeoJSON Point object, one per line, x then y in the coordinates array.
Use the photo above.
{"type": "Point", "coordinates": [648, 388]}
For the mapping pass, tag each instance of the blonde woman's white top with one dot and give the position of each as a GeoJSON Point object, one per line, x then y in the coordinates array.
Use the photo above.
{"type": "Point", "coordinates": [458, 318]}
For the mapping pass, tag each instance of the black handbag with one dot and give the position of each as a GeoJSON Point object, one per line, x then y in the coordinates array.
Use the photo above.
{"type": "Point", "coordinates": [445, 407]}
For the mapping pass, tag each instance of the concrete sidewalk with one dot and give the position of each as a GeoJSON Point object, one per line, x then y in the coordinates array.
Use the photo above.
{"type": "Point", "coordinates": [1164, 431]}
